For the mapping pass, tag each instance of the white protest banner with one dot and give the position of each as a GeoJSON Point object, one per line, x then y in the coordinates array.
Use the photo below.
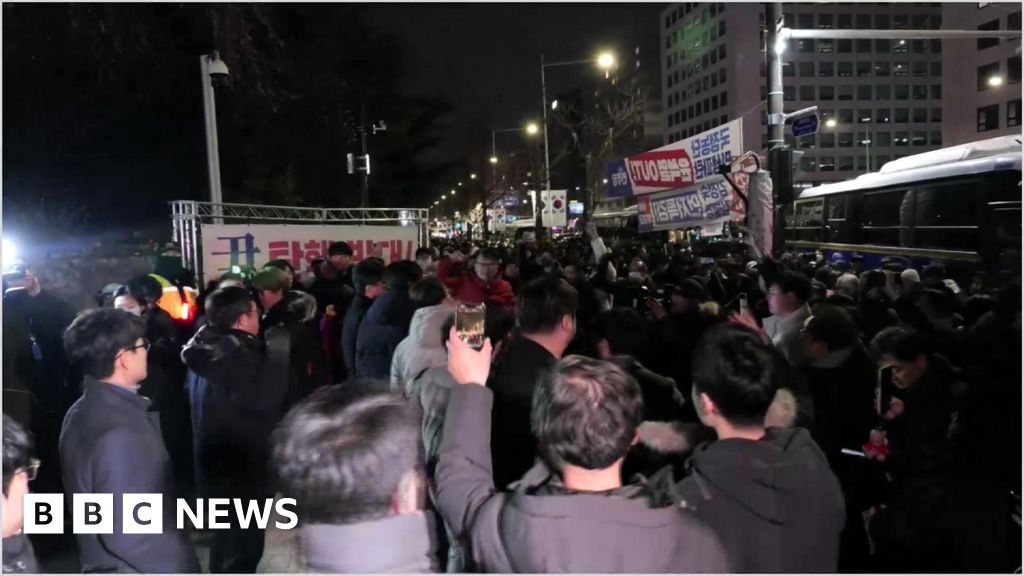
{"type": "Point", "coordinates": [227, 245]}
{"type": "Point", "coordinates": [677, 165]}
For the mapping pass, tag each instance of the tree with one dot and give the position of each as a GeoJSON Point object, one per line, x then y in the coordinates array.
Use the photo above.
{"type": "Point", "coordinates": [608, 128]}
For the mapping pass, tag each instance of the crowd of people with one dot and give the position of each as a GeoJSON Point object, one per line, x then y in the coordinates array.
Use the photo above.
{"type": "Point", "coordinates": [633, 409]}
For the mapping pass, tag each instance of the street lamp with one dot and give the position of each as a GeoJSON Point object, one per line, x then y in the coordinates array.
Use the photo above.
{"type": "Point", "coordinates": [605, 61]}
{"type": "Point", "coordinates": [530, 129]}
{"type": "Point", "coordinates": [472, 176]}
{"type": "Point", "coordinates": [831, 124]}
{"type": "Point", "coordinates": [211, 66]}
{"type": "Point", "coordinates": [995, 81]}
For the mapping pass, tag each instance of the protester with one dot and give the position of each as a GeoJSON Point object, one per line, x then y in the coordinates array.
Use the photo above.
{"type": "Point", "coordinates": [386, 322]}
{"type": "Point", "coordinates": [39, 318]}
{"type": "Point", "coordinates": [19, 468]}
{"type": "Point", "coordinates": [768, 493]}
{"type": "Point", "coordinates": [368, 280]}
{"type": "Point", "coordinates": [164, 385]}
{"type": "Point", "coordinates": [787, 300]}
{"type": "Point", "coordinates": [422, 348]}
{"type": "Point", "coordinates": [238, 389]}
{"type": "Point", "coordinates": [571, 512]}
{"type": "Point", "coordinates": [913, 531]}
{"type": "Point", "coordinates": [624, 339]}
{"type": "Point", "coordinates": [289, 309]}
{"type": "Point", "coordinates": [679, 324]}
{"type": "Point", "coordinates": [339, 254]}
{"type": "Point", "coordinates": [546, 315]}
{"type": "Point", "coordinates": [425, 260]}
{"type": "Point", "coordinates": [362, 508]}
{"type": "Point", "coordinates": [483, 283]}
{"type": "Point", "coordinates": [109, 446]}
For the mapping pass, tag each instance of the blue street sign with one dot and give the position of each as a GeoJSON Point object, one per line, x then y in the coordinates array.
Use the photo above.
{"type": "Point", "coordinates": [805, 126]}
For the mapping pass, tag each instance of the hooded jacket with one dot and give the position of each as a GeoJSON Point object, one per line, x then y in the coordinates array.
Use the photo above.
{"type": "Point", "coordinates": [774, 502]}
{"type": "Point", "coordinates": [421, 349]}
{"type": "Point", "coordinates": [395, 544]}
{"type": "Point", "coordinates": [385, 325]}
{"type": "Point", "coordinates": [543, 527]}
{"type": "Point", "coordinates": [237, 388]}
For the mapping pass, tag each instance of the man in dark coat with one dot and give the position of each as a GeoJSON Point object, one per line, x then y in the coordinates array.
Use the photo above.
{"type": "Point", "coordinates": [369, 285]}
{"type": "Point", "coordinates": [386, 322]}
{"type": "Point", "coordinates": [39, 317]}
{"type": "Point", "coordinates": [841, 381]}
{"type": "Point", "coordinates": [769, 493]}
{"type": "Point", "coordinates": [288, 309]}
{"type": "Point", "coordinates": [109, 444]}
{"type": "Point", "coordinates": [547, 320]}
{"type": "Point", "coordinates": [571, 511]}
{"type": "Point", "coordinates": [915, 531]}
{"type": "Point", "coordinates": [362, 508]}
{"type": "Point", "coordinates": [238, 388]}
{"type": "Point", "coordinates": [19, 468]}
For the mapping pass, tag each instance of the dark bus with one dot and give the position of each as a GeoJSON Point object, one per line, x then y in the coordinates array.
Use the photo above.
{"type": "Point", "coordinates": [958, 206]}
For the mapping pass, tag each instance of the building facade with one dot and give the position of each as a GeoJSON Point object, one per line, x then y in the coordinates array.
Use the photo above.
{"type": "Point", "coordinates": [982, 83]}
{"type": "Point", "coordinates": [878, 100]}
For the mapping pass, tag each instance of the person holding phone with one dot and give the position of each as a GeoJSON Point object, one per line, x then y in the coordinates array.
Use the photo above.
{"type": "Point", "coordinates": [917, 421]}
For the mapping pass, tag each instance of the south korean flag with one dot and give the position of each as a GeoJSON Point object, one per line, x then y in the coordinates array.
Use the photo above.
{"type": "Point", "coordinates": [553, 208]}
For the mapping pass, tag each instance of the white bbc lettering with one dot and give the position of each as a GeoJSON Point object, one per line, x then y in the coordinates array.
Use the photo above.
{"type": "Point", "coordinates": [196, 516]}
{"type": "Point", "coordinates": [293, 518]}
{"type": "Point", "coordinates": [262, 514]}
{"type": "Point", "coordinates": [216, 512]}
{"type": "Point", "coordinates": [92, 513]}
{"type": "Point", "coordinates": [44, 513]}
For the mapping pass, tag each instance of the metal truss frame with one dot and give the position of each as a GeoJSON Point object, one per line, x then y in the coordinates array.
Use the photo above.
{"type": "Point", "coordinates": [187, 217]}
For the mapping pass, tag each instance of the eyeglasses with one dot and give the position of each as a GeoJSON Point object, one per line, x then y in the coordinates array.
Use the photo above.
{"type": "Point", "coordinates": [145, 345]}
{"type": "Point", "coordinates": [32, 470]}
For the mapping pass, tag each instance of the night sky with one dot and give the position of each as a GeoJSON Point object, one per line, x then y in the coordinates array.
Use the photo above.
{"type": "Point", "coordinates": [485, 58]}
{"type": "Point", "coordinates": [102, 110]}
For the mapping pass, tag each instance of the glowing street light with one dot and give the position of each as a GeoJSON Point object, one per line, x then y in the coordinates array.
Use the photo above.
{"type": "Point", "coordinates": [554, 104]}
{"type": "Point", "coordinates": [472, 176]}
{"type": "Point", "coordinates": [453, 192]}
{"type": "Point", "coordinates": [494, 159]}
{"type": "Point", "coordinates": [532, 129]}
{"type": "Point", "coordinates": [605, 60]}
{"type": "Point", "coordinates": [995, 81]}
{"type": "Point", "coordinates": [830, 123]}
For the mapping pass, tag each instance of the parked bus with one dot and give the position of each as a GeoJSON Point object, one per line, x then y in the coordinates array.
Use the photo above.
{"type": "Point", "coordinates": [958, 206]}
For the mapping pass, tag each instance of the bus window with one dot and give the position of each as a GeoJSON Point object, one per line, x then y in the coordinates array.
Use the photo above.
{"type": "Point", "coordinates": [837, 228]}
{"type": "Point", "coordinates": [945, 216]}
{"type": "Point", "coordinates": [886, 221]}
{"type": "Point", "coordinates": [808, 219]}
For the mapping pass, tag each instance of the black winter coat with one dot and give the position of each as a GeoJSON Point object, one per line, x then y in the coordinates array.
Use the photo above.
{"type": "Point", "coordinates": [513, 380]}
{"type": "Point", "coordinates": [350, 332]}
{"type": "Point", "coordinates": [774, 502]}
{"type": "Point", "coordinates": [237, 389]}
{"type": "Point", "coordinates": [385, 325]}
{"type": "Point", "coordinates": [109, 444]}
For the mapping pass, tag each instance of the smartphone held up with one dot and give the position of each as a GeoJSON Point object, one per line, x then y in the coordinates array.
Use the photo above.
{"type": "Point", "coordinates": [469, 324]}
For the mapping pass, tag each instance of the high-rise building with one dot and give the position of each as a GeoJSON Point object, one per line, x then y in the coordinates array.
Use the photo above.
{"type": "Point", "coordinates": [878, 100]}
{"type": "Point", "coordinates": [981, 88]}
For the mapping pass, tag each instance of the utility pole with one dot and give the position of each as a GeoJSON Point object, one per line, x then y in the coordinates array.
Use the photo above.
{"type": "Point", "coordinates": [780, 159]}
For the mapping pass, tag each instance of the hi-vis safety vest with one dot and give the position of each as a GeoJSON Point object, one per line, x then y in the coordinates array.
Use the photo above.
{"type": "Point", "coordinates": [178, 301]}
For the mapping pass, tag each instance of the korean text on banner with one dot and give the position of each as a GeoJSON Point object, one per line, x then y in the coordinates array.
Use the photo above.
{"type": "Point", "coordinates": [227, 245]}
{"type": "Point", "coordinates": [678, 165]}
{"type": "Point", "coordinates": [703, 205]}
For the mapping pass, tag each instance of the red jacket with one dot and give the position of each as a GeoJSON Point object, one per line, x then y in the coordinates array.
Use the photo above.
{"type": "Point", "coordinates": [468, 288]}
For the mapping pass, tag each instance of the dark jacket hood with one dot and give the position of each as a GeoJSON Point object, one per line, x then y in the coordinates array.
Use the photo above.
{"type": "Point", "coordinates": [764, 477]}
{"type": "Point", "coordinates": [210, 346]}
{"type": "Point", "coordinates": [402, 544]}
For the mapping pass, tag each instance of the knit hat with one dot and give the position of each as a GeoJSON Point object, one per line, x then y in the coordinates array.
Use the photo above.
{"type": "Point", "coordinates": [910, 276]}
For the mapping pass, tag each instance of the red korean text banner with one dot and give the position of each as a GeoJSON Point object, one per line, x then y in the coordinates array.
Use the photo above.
{"type": "Point", "coordinates": [227, 245]}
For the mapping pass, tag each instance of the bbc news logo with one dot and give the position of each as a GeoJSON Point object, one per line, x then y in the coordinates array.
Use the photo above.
{"type": "Point", "coordinates": [143, 513]}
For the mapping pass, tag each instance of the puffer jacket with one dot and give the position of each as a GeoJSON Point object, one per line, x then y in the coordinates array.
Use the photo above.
{"type": "Point", "coordinates": [237, 389]}
{"type": "Point", "coordinates": [385, 325]}
{"type": "Point", "coordinates": [422, 348]}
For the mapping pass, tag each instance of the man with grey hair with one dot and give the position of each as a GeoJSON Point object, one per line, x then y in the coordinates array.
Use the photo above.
{"type": "Point", "coordinates": [571, 511]}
